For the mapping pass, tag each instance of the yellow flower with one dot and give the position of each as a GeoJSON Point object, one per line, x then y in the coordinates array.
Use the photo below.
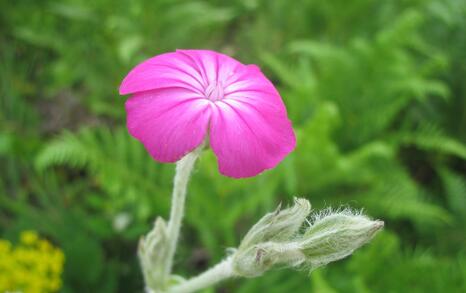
{"type": "Point", "coordinates": [32, 266]}
{"type": "Point", "coordinates": [4, 284]}
{"type": "Point", "coordinates": [44, 245]}
{"type": "Point", "coordinates": [29, 237]}
{"type": "Point", "coordinates": [55, 284]}
{"type": "Point", "coordinates": [5, 246]}
{"type": "Point", "coordinates": [59, 256]}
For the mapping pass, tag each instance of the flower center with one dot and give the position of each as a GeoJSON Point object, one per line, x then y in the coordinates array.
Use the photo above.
{"type": "Point", "coordinates": [214, 91]}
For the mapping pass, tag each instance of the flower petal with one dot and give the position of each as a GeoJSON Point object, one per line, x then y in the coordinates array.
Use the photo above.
{"type": "Point", "coordinates": [169, 122]}
{"type": "Point", "coordinates": [248, 136]}
{"type": "Point", "coordinates": [213, 66]}
{"type": "Point", "coordinates": [250, 78]}
{"type": "Point", "coordinates": [169, 70]}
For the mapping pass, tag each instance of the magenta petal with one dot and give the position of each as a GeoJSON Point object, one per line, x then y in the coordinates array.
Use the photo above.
{"type": "Point", "coordinates": [249, 137]}
{"type": "Point", "coordinates": [176, 96]}
{"type": "Point", "coordinates": [169, 122]}
{"type": "Point", "coordinates": [169, 70]}
{"type": "Point", "coordinates": [212, 66]}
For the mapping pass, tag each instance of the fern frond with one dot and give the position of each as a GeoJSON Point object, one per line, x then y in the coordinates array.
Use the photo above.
{"type": "Point", "coordinates": [118, 162]}
{"type": "Point", "coordinates": [455, 189]}
{"type": "Point", "coordinates": [430, 137]}
{"type": "Point", "coordinates": [397, 196]}
{"type": "Point", "coordinates": [67, 149]}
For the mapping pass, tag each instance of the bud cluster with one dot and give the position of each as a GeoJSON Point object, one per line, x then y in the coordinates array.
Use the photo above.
{"type": "Point", "coordinates": [286, 238]}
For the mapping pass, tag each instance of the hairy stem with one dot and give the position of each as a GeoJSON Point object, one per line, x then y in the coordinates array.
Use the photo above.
{"type": "Point", "coordinates": [216, 274]}
{"type": "Point", "coordinates": [183, 172]}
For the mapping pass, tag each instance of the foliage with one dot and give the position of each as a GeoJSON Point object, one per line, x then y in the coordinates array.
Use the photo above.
{"type": "Point", "coordinates": [375, 90]}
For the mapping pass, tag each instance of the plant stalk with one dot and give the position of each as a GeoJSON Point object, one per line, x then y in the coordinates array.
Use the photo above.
{"type": "Point", "coordinates": [184, 168]}
{"type": "Point", "coordinates": [216, 274]}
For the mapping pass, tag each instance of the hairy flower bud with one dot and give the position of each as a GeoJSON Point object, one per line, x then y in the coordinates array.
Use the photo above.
{"type": "Point", "coordinates": [333, 236]}
{"type": "Point", "coordinates": [280, 225]}
{"type": "Point", "coordinates": [257, 259]}
{"type": "Point", "coordinates": [330, 237]}
{"type": "Point", "coordinates": [265, 240]}
{"type": "Point", "coordinates": [151, 251]}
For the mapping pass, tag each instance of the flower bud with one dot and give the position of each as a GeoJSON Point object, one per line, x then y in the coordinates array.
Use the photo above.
{"type": "Point", "coordinates": [152, 251]}
{"type": "Point", "coordinates": [263, 245]}
{"type": "Point", "coordinates": [257, 259]}
{"type": "Point", "coordinates": [280, 225]}
{"type": "Point", "coordinates": [333, 236]}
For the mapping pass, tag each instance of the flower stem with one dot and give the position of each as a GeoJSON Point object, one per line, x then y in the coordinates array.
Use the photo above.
{"type": "Point", "coordinates": [184, 168]}
{"type": "Point", "coordinates": [216, 274]}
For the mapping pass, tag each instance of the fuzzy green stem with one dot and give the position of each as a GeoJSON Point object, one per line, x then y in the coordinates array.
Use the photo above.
{"type": "Point", "coordinates": [184, 168]}
{"type": "Point", "coordinates": [214, 275]}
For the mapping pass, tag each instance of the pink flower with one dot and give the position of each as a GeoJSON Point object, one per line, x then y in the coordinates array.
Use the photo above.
{"type": "Point", "coordinates": [181, 98]}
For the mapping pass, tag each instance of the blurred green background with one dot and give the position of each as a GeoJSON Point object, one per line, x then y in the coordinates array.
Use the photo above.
{"type": "Point", "coordinates": [376, 91]}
